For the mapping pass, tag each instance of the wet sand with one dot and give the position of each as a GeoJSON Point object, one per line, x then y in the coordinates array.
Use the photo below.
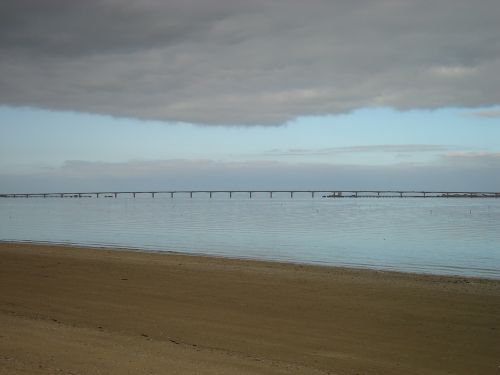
{"type": "Point", "coordinates": [67, 310]}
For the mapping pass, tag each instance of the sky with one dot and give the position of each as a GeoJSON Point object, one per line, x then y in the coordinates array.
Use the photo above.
{"type": "Point", "coordinates": [219, 94]}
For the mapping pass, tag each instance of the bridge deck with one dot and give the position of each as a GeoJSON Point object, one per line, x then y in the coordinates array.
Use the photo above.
{"type": "Point", "coordinates": [251, 193]}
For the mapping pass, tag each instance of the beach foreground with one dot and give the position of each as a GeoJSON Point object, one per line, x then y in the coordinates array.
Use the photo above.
{"type": "Point", "coordinates": [67, 310]}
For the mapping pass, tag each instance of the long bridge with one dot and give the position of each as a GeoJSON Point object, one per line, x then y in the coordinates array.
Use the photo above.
{"type": "Point", "coordinates": [251, 193]}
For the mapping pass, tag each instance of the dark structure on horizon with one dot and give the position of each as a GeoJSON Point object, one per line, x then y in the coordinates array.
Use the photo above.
{"type": "Point", "coordinates": [251, 193]}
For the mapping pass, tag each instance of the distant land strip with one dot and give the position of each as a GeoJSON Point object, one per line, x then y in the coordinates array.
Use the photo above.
{"type": "Point", "coordinates": [251, 193]}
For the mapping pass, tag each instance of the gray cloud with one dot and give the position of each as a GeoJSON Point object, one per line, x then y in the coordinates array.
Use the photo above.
{"type": "Point", "coordinates": [451, 174]}
{"type": "Point", "coordinates": [240, 62]}
{"type": "Point", "coordinates": [473, 159]}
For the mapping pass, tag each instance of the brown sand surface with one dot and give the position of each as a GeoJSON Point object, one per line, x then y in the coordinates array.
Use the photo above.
{"type": "Point", "coordinates": [92, 311]}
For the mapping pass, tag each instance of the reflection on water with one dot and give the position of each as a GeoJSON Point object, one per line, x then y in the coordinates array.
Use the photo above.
{"type": "Point", "coordinates": [442, 236]}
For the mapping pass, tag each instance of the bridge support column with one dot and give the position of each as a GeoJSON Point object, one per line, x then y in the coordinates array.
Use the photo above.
{"type": "Point", "coordinates": [190, 194]}
{"type": "Point", "coordinates": [250, 194]}
{"type": "Point", "coordinates": [270, 194]}
{"type": "Point", "coordinates": [171, 195]}
{"type": "Point", "coordinates": [115, 194]}
{"type": "Point", "coordinates": [210, 194]}
{"type": "Point", "coordinates": [152, 195]}
{"type": "Point", "coordinates": [230, 194]}
{"type": "Point", "coordinates": [291, 194]}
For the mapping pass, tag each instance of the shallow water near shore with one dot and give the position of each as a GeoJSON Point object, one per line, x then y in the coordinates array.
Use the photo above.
{"type": "Point", "coordinates": [459, 236]}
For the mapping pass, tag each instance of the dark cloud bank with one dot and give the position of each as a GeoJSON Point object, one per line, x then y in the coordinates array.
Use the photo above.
{"type": "Point", "coordinates": [247, 62]}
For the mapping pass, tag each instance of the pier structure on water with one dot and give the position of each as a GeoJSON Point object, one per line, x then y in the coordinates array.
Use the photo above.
{"type": "Point", "coordinates": [269, 193]}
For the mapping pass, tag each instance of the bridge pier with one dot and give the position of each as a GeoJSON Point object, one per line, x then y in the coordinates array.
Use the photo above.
{"type": "Point", "coordinates": [171, 194]}
{"type": "Point", "coordinates": [230, 194]}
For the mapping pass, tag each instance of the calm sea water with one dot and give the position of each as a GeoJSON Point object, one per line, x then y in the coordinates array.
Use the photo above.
{"type": "Point", "coordinates": [434, 235]}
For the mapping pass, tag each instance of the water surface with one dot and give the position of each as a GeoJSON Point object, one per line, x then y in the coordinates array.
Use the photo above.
{"type": "Point", "coordinates": [434, 235]}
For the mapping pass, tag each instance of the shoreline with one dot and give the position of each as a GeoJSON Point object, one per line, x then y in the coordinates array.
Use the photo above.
{"type": "Point", "coordinates": [85, 310]}
{"type": "Point", "coordinates": [249, 259]}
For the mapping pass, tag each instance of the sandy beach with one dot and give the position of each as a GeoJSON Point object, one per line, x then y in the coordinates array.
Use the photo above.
{"type": "Point", "coordinates": [69, 310]}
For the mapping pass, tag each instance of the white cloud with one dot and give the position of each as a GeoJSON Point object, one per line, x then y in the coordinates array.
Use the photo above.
{"type": "Point", "coordinates": [454, 71]}
{"type": "Point", "coordinates": [397, 149]}
{"type": "Point", "coordinates": [487, 114]}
